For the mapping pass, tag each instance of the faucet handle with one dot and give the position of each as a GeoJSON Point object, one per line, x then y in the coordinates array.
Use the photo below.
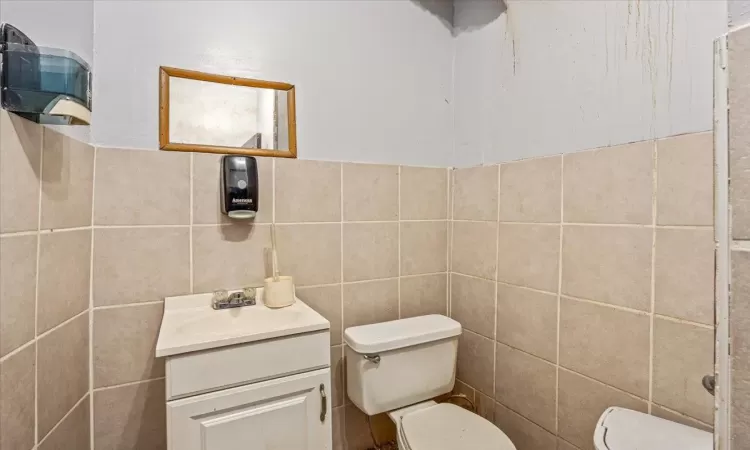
{"type": "Point", "coordinates": [250, 293]}
{"type": "Point", "coordinates": [220, 298]}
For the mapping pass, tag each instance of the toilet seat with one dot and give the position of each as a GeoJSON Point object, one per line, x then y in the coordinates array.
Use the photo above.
{"type": "Point", "coordinates": [449, 427]}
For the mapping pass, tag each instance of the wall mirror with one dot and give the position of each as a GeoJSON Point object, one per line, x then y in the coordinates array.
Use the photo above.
{"type": "Point", "coordinates": [202, 112]}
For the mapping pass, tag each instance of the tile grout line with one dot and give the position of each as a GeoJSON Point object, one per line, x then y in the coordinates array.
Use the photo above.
{"type": "Point", "coordinates": [559, 295]}
{"type": "Point", "coordinates": [681, 414]}
{"type": "Point", "coordinates": [417, 275]}
{"type": "Point", "coordinates": [65, 416]}
{"type": "Point", "coordinates": [371, 280]}
{"type": "Point", "coordinates": [129, 383]}
{"type": "Point", "coordinates": [341, 249]}
{"type": "Point", "coordinates": [175, 225]}
{"type": "Point", "coordinates": [505, 283]}
{"type": "Point", "coordinates": [474, 221]}
{"type": "Point", "coordinates": [588, 224]}
{"type": "Point", "coordinates": [62, 324]}
{"type": "Point", "coordinates": [684, 227]}
{"type": "Point", "coordinates": [478, 278]}
{"type": "Point", "coordinates": [226, 224]}
{"type": "Point", "coordinates": [273, 191]}
{"type": "Point", "coordinates": [191, 265]}
{"type": "Point", "coordinates": [363, 281]}
{"type": "Point", "coordinates": [683, 321]}
{"type": "Point", "coordinates": [36, 291]}
{"type": "Point", "coordinates": [525, 352]}
{"type": "Point", "coordinates": [17, 350]}
{"type": "Point", "coordinates": [494, 283]}
{"type": "Point", "coordinates": [606, 305]}
{"type": "Point", "coordinates": [273, 207]}
{"type": "Point", "coordinates": [654, 197]}
{"type": "Point", "coordinates": [64, 230]}
{"type": "Point", "coordinates": [342, 221]}
{"type": "Point", "coordinates": [602, 383]}
{"type": "Point", "coordinates": [406, 220]}
{"type": "Point", "coordinates": [127, 305]}
{"type": "Point", "coordinates": [448, 228]}
{"type": "Point", "coordinates": [452, 201]}
{"type": "Point", "coordinates": [583, 224]}
{"type": "Point", "coordinates": [741, 244]}
{"type": "Point", "coordinates": [19, 233]}
{"type": "Point", "coordinates": [398, 190]}
{"type": "Point", "coordinates": [527, 419]}
{"type": "Point", "coordinates": [341, 284]}
{"type": "Point", "coordinates": [91, 305]}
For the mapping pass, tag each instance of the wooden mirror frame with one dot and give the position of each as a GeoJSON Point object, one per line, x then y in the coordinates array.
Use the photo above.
{"type": "Point", "coordinates": [164, 144]}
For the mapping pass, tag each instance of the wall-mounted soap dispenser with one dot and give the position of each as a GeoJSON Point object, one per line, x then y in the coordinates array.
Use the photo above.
{"type": "Point", "coordinates": [239, 186]}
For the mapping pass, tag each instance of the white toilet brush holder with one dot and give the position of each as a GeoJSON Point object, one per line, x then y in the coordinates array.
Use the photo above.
{"type": "Point", "coordinates": [278, 291]}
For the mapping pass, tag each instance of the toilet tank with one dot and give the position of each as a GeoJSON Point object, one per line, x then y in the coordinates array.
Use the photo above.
{"type": "Point", "coordinates": [390, 365]}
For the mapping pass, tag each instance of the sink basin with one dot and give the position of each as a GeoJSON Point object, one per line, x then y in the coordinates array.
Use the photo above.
{"type": "Point", "coordinates": [190, 323]}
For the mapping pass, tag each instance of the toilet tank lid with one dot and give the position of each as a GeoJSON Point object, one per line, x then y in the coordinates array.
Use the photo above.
{"type": "Point", "coordinates": [384, 336]}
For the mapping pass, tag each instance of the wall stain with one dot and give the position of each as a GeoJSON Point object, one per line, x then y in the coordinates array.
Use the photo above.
{"type": "Point", "coordinates": [627, 26]}
{"type": "Point", "coordinates": [670, 44]}
{"type": "Point", "coordinates": [510, 32]}
{"type": "Point", "coordinates": [606, 40]}
{"type": "Point", "coordinates": [650, 31]}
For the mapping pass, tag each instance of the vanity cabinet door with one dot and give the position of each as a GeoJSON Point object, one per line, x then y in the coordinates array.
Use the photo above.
{"type": "Point", "coordinates": [290, 413]}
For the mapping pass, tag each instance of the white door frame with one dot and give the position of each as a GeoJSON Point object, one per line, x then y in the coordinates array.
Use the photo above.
{"type": "Point", "coordinates": [722, 226]}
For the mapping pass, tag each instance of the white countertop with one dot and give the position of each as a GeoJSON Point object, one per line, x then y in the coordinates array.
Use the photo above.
{"type": "Point", "coordinates": [190, 323]}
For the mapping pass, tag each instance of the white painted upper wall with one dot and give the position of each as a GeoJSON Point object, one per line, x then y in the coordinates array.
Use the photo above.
{"type": "Point", "coordinates": [548, 77]}
{"type": "Point", "coordinates": [739, 12]}
{"type": "Point", "coordinates": [376, 79]}
{"type": "Point", "coordinates": [66, 24]}
{"type": "Point", "coordinates": [373, 78]}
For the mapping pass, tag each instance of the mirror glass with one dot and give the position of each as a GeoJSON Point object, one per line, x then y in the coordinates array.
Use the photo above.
{"type": "Point", "coordinates": [206, 113]}
{"type": "Point", "coordinates": [202, 112]}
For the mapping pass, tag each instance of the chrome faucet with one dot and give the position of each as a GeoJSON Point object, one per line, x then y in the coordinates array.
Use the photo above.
{"type": "Point", "coordinates": [223, 299]}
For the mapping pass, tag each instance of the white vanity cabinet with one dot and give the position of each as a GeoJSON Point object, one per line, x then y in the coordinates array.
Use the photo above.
{"type": "Point", "coordinates": [286, 413]}
{"type": "Point", "coordinates": [249, 378]}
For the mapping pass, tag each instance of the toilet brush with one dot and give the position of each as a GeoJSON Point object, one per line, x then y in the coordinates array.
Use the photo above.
{"type": "Point", "coordinates": [279, 290]}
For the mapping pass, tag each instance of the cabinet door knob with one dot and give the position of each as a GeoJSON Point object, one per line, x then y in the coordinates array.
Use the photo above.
{"type": "Point", "coordinates": [323, 403]}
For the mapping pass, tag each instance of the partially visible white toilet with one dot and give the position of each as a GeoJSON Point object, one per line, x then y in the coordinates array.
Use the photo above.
{"type": "Point", "coordinates": [624, 429]}
{"type": "Point", "coordinates": [398, 367]}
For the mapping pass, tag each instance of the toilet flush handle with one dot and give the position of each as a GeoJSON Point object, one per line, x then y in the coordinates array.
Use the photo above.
{"type": "Point", "coordinates": [373, 358]}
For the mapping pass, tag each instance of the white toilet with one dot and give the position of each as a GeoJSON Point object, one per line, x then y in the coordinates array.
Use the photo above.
{"type": "Point", "coordinates": [398, 367]}
{"type": "Point", "coordinates": [624, 429]}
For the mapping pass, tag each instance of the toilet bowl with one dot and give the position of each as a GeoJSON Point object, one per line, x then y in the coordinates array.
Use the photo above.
{"type": "Point", "coordinates": [398, 367]}
{"type": "Point", "coordinates": [445, 426]}
{"type": "Point", "coordinates": [624, 429]}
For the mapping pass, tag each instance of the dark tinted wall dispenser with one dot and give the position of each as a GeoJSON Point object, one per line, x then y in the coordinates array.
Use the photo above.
{"type": "Point", "coordinates": [45, 85]}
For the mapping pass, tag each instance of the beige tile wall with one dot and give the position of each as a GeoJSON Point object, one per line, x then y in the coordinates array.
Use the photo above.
{"type": "Point", "coordinates": [45, 265]}
{"type": "Point", "coordinates": [585, 281]}
{"type": "Point", "coordinates": [341, 235]}
{"type": "Point", "coordinates": [570, 302]}
{"type": "Point", "coordinates": [365, 243]}
{"type": "Point", "coordinates": [739, 197]}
